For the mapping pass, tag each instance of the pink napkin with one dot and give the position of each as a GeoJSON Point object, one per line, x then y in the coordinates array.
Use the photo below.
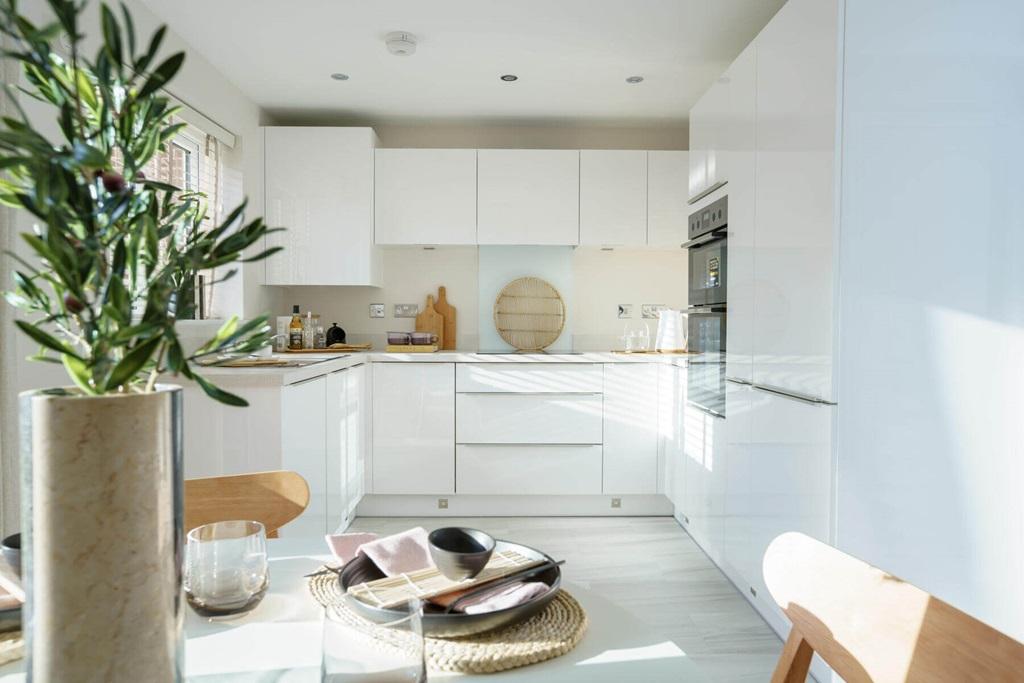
{"type": "Point", "coordinates": [502, 597]}
{"type": "Point", "coordinates": [397, 554]}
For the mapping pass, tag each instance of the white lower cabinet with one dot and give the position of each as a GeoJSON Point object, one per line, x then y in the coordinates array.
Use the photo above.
{"type": "Point", "coordinates": [356, 429]}
{"type": "Point", "coordinates": [304, 446]}
{"type": "Point", "coordinates": [518, 469]}
{"type": "Point", "coordinates": [672, 398]}
{"type": "Point", "coordinates": [630, 428]}
{"type": "Point", "coordinates": [528, 418]}
{"type": "Point", "coordinates": [703, 452]}
{"type": "Point", "coordinates": [413, 428]}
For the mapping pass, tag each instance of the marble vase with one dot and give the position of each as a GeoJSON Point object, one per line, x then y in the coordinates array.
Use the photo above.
{"type": "Point", "coordinates": [102, 522]}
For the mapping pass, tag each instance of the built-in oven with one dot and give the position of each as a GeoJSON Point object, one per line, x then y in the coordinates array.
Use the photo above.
{"type": "Point", "coordinates": [708, 277]}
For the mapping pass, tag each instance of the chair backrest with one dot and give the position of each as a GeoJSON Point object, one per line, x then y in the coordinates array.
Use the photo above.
{"type": "Point", "coordinates": [273, 498]}
{"type": "Point", "coordinates": [872, 627]}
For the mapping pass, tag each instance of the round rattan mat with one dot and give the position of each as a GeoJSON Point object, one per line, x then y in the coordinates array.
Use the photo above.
{"type": "Point", "coordinates": [551, 633]}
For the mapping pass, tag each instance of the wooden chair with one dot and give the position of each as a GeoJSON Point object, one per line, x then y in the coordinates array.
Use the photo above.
{"type": "Point", "coordinates": [273, 498]}
{"type": "Point", "coordinates": [872, 627]}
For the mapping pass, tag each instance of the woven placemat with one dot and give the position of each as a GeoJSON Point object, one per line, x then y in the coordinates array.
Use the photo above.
{"type": "Point", "coordinates": [556, 630]}
{"type": "Point", "coordinates": [12, 646]}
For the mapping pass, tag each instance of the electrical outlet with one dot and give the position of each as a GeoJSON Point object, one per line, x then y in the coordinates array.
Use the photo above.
{"type": "Point", "coordinates": [406, 310]}
{"type": "Point", "coordinates": [616, 502]}
{"type": "Point", "coordinates": [650, 311]}
{"type": "Point", "coordinates": [625, 310]}
{"type": "Point", "coordinates": [376, 310]}
{"type": "Point", "coordinates": [442, 503]}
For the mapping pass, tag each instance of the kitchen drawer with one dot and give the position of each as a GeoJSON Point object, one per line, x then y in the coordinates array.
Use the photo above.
{"type": "Point", "coordinates": [525, 470]}
{"type": "Point", "coordinates": [528, 418]}
{"type": "Point", "coordinates": [528, 378]}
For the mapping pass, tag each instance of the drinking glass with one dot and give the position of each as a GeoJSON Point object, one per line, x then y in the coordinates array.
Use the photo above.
{"type": "Point", "coordinates": [351, 655]}
{"type": "Point", "coordinates": [226, 568]}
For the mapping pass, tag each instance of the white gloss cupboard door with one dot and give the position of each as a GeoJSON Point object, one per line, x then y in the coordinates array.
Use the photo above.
{"type": "Point", "coordinates": [425, 196]}
{"type": "Point", "coordinates": [667, 210]}
{"type": "Point", "coordinates": [795, 199]}
{"type": "Point", "coordinates": [356, 441]}
{"type": "Point", "coordinates": [319, 187]}
{"type": "Point", "coordinates": [613, 197]}
{"type": "Point", "coordinates": [737, 154]}
{"type": "Point", "coordinates": [413, 428]}
{"type": "Point", "coordinates": [700, 147]}
{"type": "Point", "coordinates": [303, 450]}
{"type": "Point", "coordinates": [336, 449]}
{"type": "Point", "coordinates": [738, 561]}
{"type": "Point", "coordinates": [528, 196]}
{"type": "Point", "coordinates": [630, 428]}
{"type": "Point", "coordinates": [702, 501]}
{"type": "Point", "coordinates": [517, 469]}
{"type": "Point", "coordinates": [670, 438]}
{"type": "Point", "coordinates": [528, 418]}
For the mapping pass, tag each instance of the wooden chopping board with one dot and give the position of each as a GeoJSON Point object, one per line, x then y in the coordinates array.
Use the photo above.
{"type": "Point", "coordinates": [448, 311]}
{"type": "Point", "coordinates": [431, 321]}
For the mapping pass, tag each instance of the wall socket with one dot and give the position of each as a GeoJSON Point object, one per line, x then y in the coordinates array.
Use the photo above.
{"type": "Point", "coordinates": [625, 310]}
{"type": "Point", "coordinates": [442, 503]}
{"type": "Point", "coordinates": [616, 502]}
{"type": "Point", "coordinates": [406, 310]}
{"type": "Point", "coordinates": [376, 310]}
{"type": "Point", "coordinates": [650, 311]}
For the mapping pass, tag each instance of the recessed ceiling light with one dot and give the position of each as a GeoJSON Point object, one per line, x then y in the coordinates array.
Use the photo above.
{"type": "Point", "coordinates": [340, 77]}
{"type": "Point", "coordinates": [508, 78]}
{"type": "Point", "coordinates": [635, 79]}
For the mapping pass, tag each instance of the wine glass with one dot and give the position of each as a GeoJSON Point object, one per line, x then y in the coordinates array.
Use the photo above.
{"type": "Point", "coordinates": [226, 568]}
{"type": "Point", "coordinates": [352, 655]}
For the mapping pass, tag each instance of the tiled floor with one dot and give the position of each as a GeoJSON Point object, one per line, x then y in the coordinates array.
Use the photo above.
{"type": "Point", "coordinates": [693, 604]}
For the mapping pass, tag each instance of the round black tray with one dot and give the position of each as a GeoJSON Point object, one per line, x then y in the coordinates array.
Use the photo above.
{"type": "Point", "coordinates": [435, 622]}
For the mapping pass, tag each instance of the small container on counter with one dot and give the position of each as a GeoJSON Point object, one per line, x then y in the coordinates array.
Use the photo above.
{"type": "Point", "coordinates": [422, 338]}
{"type": "Point", "coordinates": [335, 335]}
{"type": "Point", "coordinates": [399, 338]}
{"type": "Point", "coordinates": [281, 338]}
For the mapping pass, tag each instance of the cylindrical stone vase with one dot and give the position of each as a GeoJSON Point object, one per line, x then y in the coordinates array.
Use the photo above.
{"type": "Point", "coordinates": [102, 536]}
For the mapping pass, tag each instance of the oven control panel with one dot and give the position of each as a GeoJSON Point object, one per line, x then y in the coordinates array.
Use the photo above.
{"type": "Point", "coordinates": [712, 217]}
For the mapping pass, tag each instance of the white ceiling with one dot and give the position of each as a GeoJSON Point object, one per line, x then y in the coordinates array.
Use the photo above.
{"type": "Point", "coordinates": [571, 56]}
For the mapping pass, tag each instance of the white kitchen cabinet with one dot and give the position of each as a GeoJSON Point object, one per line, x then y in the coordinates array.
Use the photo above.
{"type": "Point", "coordinates": [528, 196]}
{"type": "Point", "coordinates": [319, 186]}
{"type": "Point", "coordinates": [425, 196]}
{"type": "Point", "coordinates": [797, 98]}
{"type": "Point", "coordinates": [356, 432]}
{"type": "Point", "coordinates": [336, 448]}
{"type": "Point", "coordinates": [516, 469]}
{"type": "Point", "coordinates": [304, 448]}
{"type": "Point", "coordinates": [630, 428]}
{"type": "Point", "coordinates": [613, 197]}
{"type": "Point", "coordinates": [413, 428]}
{"type": "Point", "coordinates": [737, 154]}
{"type": "Point", "coordinates": [703, 450]}
{"type": "Point", "coordinates": [700, 146]}
{"type": "Point", "coordinates": [737, 493]}
{"type": "Point", "coordinates": [671, 402]}
{"type": "Point", "coordinates": [533, 378]}
{"type": "Point", "coordinates": [667, 210]}
{"type": "Point", "coordinates": [528, 418]}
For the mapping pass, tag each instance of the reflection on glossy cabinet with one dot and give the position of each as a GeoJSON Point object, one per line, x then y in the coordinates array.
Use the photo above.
{"type": "Point", "coordinates": [319, 186]}
{"type": "Point", "coordinates": [667, 210]}
{"type": "Point", "coordinates": [671, 388]}
{"type": "Point", "coordinates": [528, 196]}
{"type": "Point", "coordinates": [703, 450]}
{"type": "Point", "coordinates": [613, 197]}
{"type": "Point", "coordinates": [303, 449]}
{"type": "Point", "coordinates": [413, 428]}
{"type": "Point", "coordinates": [630, 428]}
{"type": "Point", "coordinates": [337, 448]}
{"type": "Point", "coordinates": [425, 196]}
{"type": "Point", "coordinates": [795, 205]}
{"type": "Point", "coordinates": [356, 428]}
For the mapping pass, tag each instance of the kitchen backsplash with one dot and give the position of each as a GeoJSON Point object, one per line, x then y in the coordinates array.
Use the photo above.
{"type": "Point", "coordinates": [592, 282]}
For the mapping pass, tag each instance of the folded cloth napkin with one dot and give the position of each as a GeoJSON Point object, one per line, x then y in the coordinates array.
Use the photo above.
{"type": "Point", "coordinates": [502, 597]}
{"type": "Point", "coordinates": [396, 554]}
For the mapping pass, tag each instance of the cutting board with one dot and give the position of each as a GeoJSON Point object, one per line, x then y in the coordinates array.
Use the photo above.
{"type": "Point", "coordinates": [431, 321]}
{"type": "Point", "coordinates": [448, 311]}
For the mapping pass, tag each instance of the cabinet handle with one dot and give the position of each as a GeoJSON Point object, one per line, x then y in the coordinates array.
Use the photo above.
{"type": "Point", "coordinates": [802, 398]}
{"type": "Point", "coordinates": [307, 381]}
{"type": "Point", "coordinates": [742, 382]}
{"type": "Point", "coordinates": [701, 195]}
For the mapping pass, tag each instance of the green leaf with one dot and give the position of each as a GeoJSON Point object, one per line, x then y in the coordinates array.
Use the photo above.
{"type": "Point", "coordinates": [218, 394]}
{"type": "Point", "coordinates": [129, 29]}
{"type": "Point", "coordinates": [111, 36]}
{"type": "Point", "coordinates": [129, 366]}
{"type": "Point", "coordinates": [79, 373]}
{"type": "Point", "coordinates": [154, 46]}
{"type": "Point", "coordinates": [46, 339]}
{"type": "Point", "coordinates": [87, 155]}
{"type": "Point", "coordinates": [161, 75]}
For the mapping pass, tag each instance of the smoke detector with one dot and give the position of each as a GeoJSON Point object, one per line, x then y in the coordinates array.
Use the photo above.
{"type": "Point", "coordinates": [400, 43]}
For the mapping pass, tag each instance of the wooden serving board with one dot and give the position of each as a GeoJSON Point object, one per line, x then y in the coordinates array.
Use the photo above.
{"type": "Point", "coordinates": [412, 348]}
{"type": "Point", "coordinates": [448, 311]}
{"type": "Point", "coordinates": [431, 321]}
{"type": "Point", "coordinates": [334, 348]}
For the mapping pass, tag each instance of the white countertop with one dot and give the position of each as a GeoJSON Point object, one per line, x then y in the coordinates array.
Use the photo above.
{"type": "Point", "coordinates": [331, 362]}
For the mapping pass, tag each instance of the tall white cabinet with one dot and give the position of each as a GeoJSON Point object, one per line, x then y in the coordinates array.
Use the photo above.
{"type": "Point", "coordinates": [667, 210]}
{"type": "Point", "coordinates": [319, 186]}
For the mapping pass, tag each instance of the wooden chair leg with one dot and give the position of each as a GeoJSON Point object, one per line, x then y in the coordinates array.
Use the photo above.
{"type": "Point", "coordinates": [795, 660]}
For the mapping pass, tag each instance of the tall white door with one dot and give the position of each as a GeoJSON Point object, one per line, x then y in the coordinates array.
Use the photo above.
{"type": "Point", "coordinates": [414, 428]}
{"type": "Point", "coordinates": [528, 196]}
{"type": "Point", "coordinates": [304, 448]}
{"type": "Point", "coordinates": [630, 428]}
{"type": "Point", "coordinates": [613, 197]}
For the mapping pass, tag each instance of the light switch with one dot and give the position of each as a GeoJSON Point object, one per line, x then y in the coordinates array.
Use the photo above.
{"type": "Point", "coordinates": [406, 310]}
{"type": "Point", "coordinates": [376, 310]}
{"type": "Point", "coordinates": [651, 310]}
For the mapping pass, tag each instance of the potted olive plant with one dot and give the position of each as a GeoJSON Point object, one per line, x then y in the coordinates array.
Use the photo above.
{"type": "Point", "coordinates": [109, 270]}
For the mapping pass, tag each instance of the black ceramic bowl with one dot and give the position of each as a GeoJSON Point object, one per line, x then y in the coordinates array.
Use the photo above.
{"type": "Point", "coordinates": [460, 553]}
{"type": "Point", "coordinates": [10, 547]}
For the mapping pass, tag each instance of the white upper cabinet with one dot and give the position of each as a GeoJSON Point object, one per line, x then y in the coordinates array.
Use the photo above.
{"type": "Point", "coordinates": [613, 198]}
{"type": "Point", "coordinates": [700, 147]}
{"type": "Point", "coordinates": [737, 155]}
{"type": "Point", "coordinates": [667, 210]}
{"type": "Point", "coordinates": [425, 196]}
{"type": "Point", "coordinates": [319, 186]}
{"type": "Point", "coordinates": [796, 137]}
{"type": "Point", "coordinates": [528, 196]}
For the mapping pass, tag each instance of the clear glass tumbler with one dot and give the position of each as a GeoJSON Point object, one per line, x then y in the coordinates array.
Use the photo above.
{"type": "Point", "coordinates": [351, 655]}
{"type": "Point", "coordinates": [226, 568]}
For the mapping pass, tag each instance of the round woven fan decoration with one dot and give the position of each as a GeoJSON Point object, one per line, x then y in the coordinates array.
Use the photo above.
{"type": "Point", "coordinates": [529, 314]}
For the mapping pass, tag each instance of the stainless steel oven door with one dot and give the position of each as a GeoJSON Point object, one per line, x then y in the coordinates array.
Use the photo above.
{"type": "Point", "coordinates": [705, 331]}
{"type": "Point", "coordinates": [708, 273]}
